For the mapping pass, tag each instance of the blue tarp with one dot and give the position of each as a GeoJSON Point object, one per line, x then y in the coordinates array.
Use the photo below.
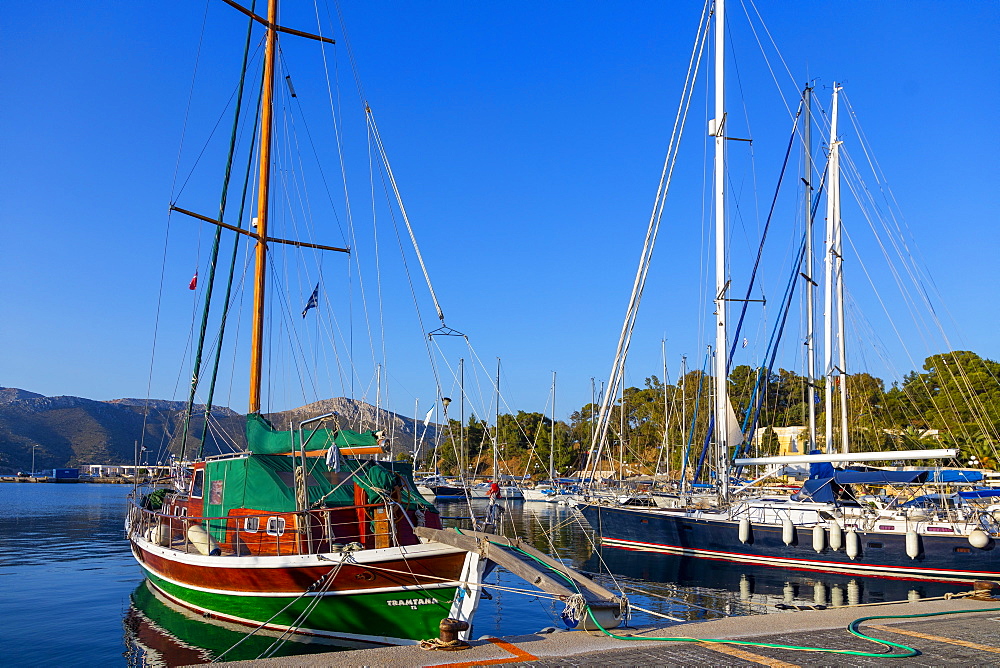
{"type": "Point", "coordinates": [819, 490]}
{"type": "Point", "coordinates": [951, 475]}
{"type": "Point", "coordinates": [827, 490]}
{"type": "Point", "coordinates": [819, 470]}
{"type": "Point", "coordinates": [980, 494]}
{"type": "Point", "coordinates": [879, 477]}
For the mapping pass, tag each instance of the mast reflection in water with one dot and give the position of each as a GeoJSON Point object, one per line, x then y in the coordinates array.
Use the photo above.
{"type": "Point", "coordinates": [669, 587]}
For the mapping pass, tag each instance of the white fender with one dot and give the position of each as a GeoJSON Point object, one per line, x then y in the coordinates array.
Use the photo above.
{"type": "Point", "coordinates": [979, 538]}
{"type": "Point", "coordinates": [819, 538]}
{"type": "Point", "coordinates": [836, 536]}
{"type": "Point", "coordinates": [746, 531]}
{"type": "Point", "coordinates": [853, 544]}
{"type": "Point", "coordinates": [158, 535]}
{"type": "Point", "coordinates": [202, 541]}
{"type": "Point", "coordinates": [787, 531]}
{"type": "Point", "coordinates": [912, 544]}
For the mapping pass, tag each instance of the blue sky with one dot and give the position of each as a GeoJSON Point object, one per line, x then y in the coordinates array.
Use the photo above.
{"type": "Point", "coordinates": [527, 139]}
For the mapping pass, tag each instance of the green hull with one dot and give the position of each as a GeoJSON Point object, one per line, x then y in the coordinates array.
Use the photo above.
{"type": "Point", "coordinates": [379, 617]}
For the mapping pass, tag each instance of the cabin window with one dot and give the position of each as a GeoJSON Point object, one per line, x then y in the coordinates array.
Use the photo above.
{"type": "Point", "coordinates": [251, 524]}
{"type": "Point", "coordinates": [886, 527]}
{"type": "Point", "coordinates": [874, 544]}
{"type": "Point", "coordinates": [963, 549]}
{"type": "Point", "coordinates": [198, 484]}
{"type": "Point", "coordinates": [275, 526]}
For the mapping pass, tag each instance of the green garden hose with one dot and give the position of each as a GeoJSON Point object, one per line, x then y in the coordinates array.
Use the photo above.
{"type": "Point", "coordinates": [852, 627]}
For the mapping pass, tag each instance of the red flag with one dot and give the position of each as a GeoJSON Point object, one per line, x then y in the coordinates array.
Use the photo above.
{"type": "Point", "coordinates": [194, 281]}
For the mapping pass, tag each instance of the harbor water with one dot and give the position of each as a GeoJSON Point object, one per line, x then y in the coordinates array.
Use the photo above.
{"type": "Point", "coordinates": [73, 595]}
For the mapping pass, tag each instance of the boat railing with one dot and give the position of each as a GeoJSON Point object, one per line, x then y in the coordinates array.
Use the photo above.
{"type": "Point", "coordinates": [323, 530]}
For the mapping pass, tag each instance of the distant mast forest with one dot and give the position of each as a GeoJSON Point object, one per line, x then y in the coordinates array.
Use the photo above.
{"type": "Point", "coordinates": [953, 402]}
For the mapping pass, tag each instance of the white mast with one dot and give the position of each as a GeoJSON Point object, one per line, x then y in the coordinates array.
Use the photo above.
{"type": "Point", "coordinates": [552, 437]}
{"type": "Point", "coordinates": [496, 431]}
{"type": "Point", "coordinates": [838, 253]}
{"type": "Point", "coordinates": [831, 260]}
{"type": "Point", "coordinates": [717, 128]}
{"type": "Point", "coordinates": [810, 280]}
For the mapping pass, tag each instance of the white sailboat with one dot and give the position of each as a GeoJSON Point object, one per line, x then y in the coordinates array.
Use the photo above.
{"type": "Point", "coordinates": [824, 527]}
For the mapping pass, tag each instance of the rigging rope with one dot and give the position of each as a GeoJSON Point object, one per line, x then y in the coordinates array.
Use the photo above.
{"type": "Point", "coordinates": [616, 378]}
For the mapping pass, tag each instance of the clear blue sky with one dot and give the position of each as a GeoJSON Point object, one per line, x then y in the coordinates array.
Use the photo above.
{"type": "Point", "coordinates": [527, 139]}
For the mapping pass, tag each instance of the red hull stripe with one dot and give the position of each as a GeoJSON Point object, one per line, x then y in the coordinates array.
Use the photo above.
{"type": "Point", "coordinates": [805, 564]}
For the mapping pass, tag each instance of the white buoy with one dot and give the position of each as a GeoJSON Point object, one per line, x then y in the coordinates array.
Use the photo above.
{"type": "Point", "coordinates": [159, 535]}
{"type": "Point", "coordinates": [819, 538]}
{"type": "Point", "coordinates": [836, 536]}
{"type": "Point", "coordinates": [912, 544]}
{"type": "Point", "coordinates": [746, 532]}
{"type": "Point", "coordinates": [853, 544]}
{"type": "Point", "coordinates": [202, 541]}
{"type": "Point", "coordinates": [979, 538]}
{"type": "Point", "coordinates": [787, 531]}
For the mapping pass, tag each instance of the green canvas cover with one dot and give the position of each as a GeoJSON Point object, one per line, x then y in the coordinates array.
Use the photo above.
{"type": "Point", "coordinates": [266, 482]}
{"type": "Point", "coordinates": [264, 439]}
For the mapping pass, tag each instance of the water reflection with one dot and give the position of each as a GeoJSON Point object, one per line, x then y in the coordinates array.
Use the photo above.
{"type": "Point", "coordinates": [161, 633]}
{"type": "Point", "coordinates": [750, 589]}
{"type": "Point", "coordinates": [662, 588]}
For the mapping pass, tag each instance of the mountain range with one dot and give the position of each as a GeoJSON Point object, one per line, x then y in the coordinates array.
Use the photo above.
{"type": "Point", "coordinates": [70, 431]}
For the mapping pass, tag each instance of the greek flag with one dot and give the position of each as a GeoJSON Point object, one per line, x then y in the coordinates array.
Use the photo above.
{"type": "Point", "coordinates": [313, 301]}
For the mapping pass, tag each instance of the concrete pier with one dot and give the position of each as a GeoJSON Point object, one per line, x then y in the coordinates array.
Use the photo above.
{"type": "Point", "coordinates": [971, 637]}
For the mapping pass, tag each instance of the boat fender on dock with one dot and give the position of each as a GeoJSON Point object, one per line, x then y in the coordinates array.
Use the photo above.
{"type": "Point", "coordinates": [203, 541]}
{"type": "Point", "coordinates": [746, 531]}
{"type": "Point", "coordinates": [787, 531]}
{"type": "Point", "coordinates": [836, 537]}
{"type": "Point", "coordinates": [819, 538]}
{"type": "Point", "coordinates": [979, 538]}
{"type": "Point", "coordinates": [912, 544]}
{"type": "Point", "coordinates": [853, 544]}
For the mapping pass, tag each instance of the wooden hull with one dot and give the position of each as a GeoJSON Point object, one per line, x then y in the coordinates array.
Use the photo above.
{"type": "Point", "coordinates": [374, 597]}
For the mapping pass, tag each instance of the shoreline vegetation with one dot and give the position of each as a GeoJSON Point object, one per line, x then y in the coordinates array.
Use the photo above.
{"type": "Point", "coordinates": [953, 401]}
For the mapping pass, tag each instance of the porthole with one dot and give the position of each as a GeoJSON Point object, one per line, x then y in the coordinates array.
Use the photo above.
{"type": "Point", "coordinates": [275, 526]}
{"type": "Point", "coordinates": [251, 524]}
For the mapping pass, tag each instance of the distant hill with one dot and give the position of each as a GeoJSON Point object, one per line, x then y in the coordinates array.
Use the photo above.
{"type": "Point", "coordinates": [70, 431]}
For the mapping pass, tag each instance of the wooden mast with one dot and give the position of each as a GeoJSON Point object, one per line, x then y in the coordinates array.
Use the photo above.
{"type": "Point", "coordinates": [263, 198]}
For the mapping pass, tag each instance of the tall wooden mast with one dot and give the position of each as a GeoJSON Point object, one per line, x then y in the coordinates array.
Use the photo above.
{"type": "Point", "coordinates": [263, 198]}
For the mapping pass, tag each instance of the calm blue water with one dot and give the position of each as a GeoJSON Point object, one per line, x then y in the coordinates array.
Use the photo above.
{"type": "Point", "coordinates": [65, 574]}
{"type": "Point", "coordinates": [72, 595]}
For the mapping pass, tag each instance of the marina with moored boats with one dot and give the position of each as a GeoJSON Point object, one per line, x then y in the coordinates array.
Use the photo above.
{"type": "Point", "coordinates": [767, 506]}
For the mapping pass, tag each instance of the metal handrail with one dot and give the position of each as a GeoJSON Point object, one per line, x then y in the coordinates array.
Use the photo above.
{"type": "Point", "coordinates": [144, 519]}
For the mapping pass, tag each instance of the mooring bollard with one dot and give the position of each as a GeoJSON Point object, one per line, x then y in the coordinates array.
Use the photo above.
{"type": "Point", "coordinates": [981, 590]}
{"type": "Point", "coordinates": [450, 628]}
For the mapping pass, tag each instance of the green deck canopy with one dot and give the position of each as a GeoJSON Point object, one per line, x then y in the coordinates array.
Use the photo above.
{"type": "Point", "coordinates": [266, 482]}
{"type": "Point", "coordinates": [264, 439]}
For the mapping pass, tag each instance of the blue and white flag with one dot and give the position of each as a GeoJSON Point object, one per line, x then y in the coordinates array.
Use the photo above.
{"type": "Point", "coordinates": [313, 301]}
